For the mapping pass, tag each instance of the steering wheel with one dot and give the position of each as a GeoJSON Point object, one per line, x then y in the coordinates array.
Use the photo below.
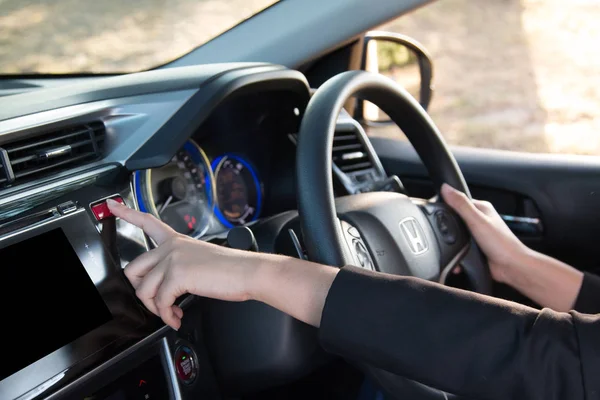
{"type": "Point", "coordinates": [405, 236]}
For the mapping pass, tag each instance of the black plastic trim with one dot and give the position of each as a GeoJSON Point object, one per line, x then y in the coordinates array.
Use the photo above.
{"type": "Point", "coordinates": [170, 137]}
{"type": "Point", "coordinates": [103, 88]}
{"type": "Point", "coordinates": [7, 172]}
{"type": "Point", "coordinates": [145, 345]}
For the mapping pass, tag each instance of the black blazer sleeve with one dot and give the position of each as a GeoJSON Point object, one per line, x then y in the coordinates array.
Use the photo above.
{"type": "Point", "coordinates": [461, 342]}
{"type": "Point", "coordinates": [588, 299]}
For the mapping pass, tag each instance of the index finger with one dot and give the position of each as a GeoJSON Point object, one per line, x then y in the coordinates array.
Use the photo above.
{"type": "Point", "coordinates": [156, 229]}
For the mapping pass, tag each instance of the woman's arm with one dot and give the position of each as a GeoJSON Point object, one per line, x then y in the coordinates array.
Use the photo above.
{"type": "Point", "coordinates": [457, 341]}
{"type": "Point", "coordinates": [450, 339]}
{"type": "Point", "coordinates": [545, 280]}
{"type": "Point", "coordinates": [182, 265]}
{"type": "Point", "coordinates": [548, 282]}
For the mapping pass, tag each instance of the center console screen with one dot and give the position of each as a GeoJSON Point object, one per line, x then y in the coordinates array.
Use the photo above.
{"type": "Point", "coordinates": [47, 297]}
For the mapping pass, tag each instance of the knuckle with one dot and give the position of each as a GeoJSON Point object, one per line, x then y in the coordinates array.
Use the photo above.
{"type": "Point", "coordinates": [487, 207]}
{"type": "Point", "coordinates": [462, 197]}
{"type": "Point", "coordinates": [139, 292]}
{"type": "Point", "coordinates": [464, 205]}
{"type": "Point", "coordinates": [160, 299]}
{"type": "Point", "coordinates": [174, 242]}
{"type": "Point", "coordinates": [169, 245]}
{"type": "Point", "coordinates": [174, 258]}
{"type": "Point", "coordinates": [458, 199]}
{"type": "Point", "coordinates": [149, 219]}
{"type": "Point", "coordinates": [486, 204]}
{"type": "Point", "coordinates": [177, 273]}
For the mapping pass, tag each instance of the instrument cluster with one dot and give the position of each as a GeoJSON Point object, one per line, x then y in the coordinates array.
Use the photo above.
{"type": "Point", "coordinates": [197, 195]}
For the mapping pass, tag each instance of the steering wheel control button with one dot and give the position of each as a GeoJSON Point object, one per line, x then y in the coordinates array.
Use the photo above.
{"type": "Point", "coordinates": [186, 364]}
{"type": "Point", "coordinates": [430, 208]}
{"type": "Point", "coordinates": [362, 254]}
{"type": "Point", "coordinates": [354, 232]}
{"type": "Point", "coordinates": [445, 226]}
{"type": "Point", "coordinates": [101, 211]}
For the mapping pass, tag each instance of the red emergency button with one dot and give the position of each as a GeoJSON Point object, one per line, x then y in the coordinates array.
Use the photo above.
{"type": "Point", "coordinates": [101, 211]}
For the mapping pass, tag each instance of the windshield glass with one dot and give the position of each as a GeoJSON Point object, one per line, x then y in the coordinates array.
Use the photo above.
{"type": "Point", "coordinates": [110, 36]}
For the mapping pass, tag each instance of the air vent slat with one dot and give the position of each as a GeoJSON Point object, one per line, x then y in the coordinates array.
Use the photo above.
{"type": "Point", "coordinates": [342, 137]}
{"type": "Point", "coordinates": [47, 141]}
{"type": "Point", "coordinates": [349, 152]}
{"type": "Point", "coordinates": [356, 167]}
{"type": "Point", "coordinates": [360, 157]}
{"type": "Point", "coordinates": [53, 151]}
{"type": "Point", "coordinates": [53, 165]}
{"type": "Point", "coordinates": [23, 159]}
{"type": "Point", "coordinates": [348, 147]}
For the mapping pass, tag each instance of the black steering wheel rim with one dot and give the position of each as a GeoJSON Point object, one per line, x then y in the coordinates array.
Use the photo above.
{"type": "Point", "coordinates": [322, 233]}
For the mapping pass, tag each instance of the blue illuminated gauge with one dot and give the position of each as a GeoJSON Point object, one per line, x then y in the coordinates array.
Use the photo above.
{"type": "Point", "coordinates": [180, 193]}
{"type": "Point", "coordinates": [239, 195]}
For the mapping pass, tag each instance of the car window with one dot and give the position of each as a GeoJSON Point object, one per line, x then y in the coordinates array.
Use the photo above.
{"type": "Point", "coordinates": [110, 36]}
{"type": "Point", "coordinates": [514, 75]}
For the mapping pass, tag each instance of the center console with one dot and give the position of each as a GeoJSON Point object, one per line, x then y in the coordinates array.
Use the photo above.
{"type": "Point", "coordinates": [73, 327]}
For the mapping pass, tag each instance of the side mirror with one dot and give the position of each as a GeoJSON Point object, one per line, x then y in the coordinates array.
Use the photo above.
{"type": "Point", "coordinates": [402, 59]}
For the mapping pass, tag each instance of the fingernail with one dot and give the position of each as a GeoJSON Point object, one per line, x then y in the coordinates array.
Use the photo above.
{"type": "Point", "coordinates": [112, 202]}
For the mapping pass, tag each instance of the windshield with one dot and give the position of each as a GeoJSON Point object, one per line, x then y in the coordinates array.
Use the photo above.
{"type": "Point", "coordinates": [110, 36]}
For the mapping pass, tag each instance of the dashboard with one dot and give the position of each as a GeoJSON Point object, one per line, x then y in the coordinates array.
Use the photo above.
{"type": "Point", "coordinates": [223, 175]}
{"type": "Point", "coordinates": [206, 149]}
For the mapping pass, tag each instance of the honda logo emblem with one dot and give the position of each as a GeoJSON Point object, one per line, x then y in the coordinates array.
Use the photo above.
{"type": "Point", "coordinates": [414, 235]}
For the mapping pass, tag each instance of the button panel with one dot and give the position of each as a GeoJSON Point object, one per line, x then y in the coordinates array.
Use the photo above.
{"type": "Point", "coordinates": [101, 210]}
{"type": "Point", "coordinates": [446, 226]}
{"type": "Point", "coordinates": [356, 245]}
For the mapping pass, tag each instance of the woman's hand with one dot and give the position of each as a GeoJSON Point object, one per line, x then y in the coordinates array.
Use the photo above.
{"type": "Point", "coordinates": [181, 265]}
{"type": "Point", "coordinates": [502, 248]}
{"type": "Point", "coordinates": [549, 282]}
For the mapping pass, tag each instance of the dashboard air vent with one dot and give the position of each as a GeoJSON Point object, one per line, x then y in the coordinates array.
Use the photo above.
{"type": "Point", "coordinates": [349, 152]}
{"type": "Point", "coordinates": [50, 152]}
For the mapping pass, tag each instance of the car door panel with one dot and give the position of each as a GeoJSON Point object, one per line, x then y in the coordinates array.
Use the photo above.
{"type": "Point", "coordinates": [562, 191]}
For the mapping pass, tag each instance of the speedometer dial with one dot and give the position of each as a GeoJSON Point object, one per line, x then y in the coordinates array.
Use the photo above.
{"type": "Point", "coordinates": [181, 193]}
{"type": "Point", "coordinates": [239, 194]}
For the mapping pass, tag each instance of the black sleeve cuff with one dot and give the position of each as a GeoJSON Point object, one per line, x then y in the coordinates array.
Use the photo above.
{"type": "Point", "coordinates": [587, 328]}
{"type": "Point", "coordinates": [344, 304]}
{"type": "Point", "coordinates": [588, 299]}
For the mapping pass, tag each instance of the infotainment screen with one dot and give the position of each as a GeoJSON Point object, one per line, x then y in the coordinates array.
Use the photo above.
{"type": "Point", "coordinates": [48, 299]}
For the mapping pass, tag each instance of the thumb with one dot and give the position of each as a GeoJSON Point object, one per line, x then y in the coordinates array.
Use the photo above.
{"type": "Point", "coordinates": [460, 203]}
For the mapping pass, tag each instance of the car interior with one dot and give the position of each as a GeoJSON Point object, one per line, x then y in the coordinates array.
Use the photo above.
{"type": "Point", "coordinates": [258, 142]}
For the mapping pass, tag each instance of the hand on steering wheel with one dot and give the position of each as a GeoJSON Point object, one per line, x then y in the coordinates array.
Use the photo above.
{"type": "Point", "coordinates": [405, 236]}
{"type": "Point", "coordinates": [500, 245]}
